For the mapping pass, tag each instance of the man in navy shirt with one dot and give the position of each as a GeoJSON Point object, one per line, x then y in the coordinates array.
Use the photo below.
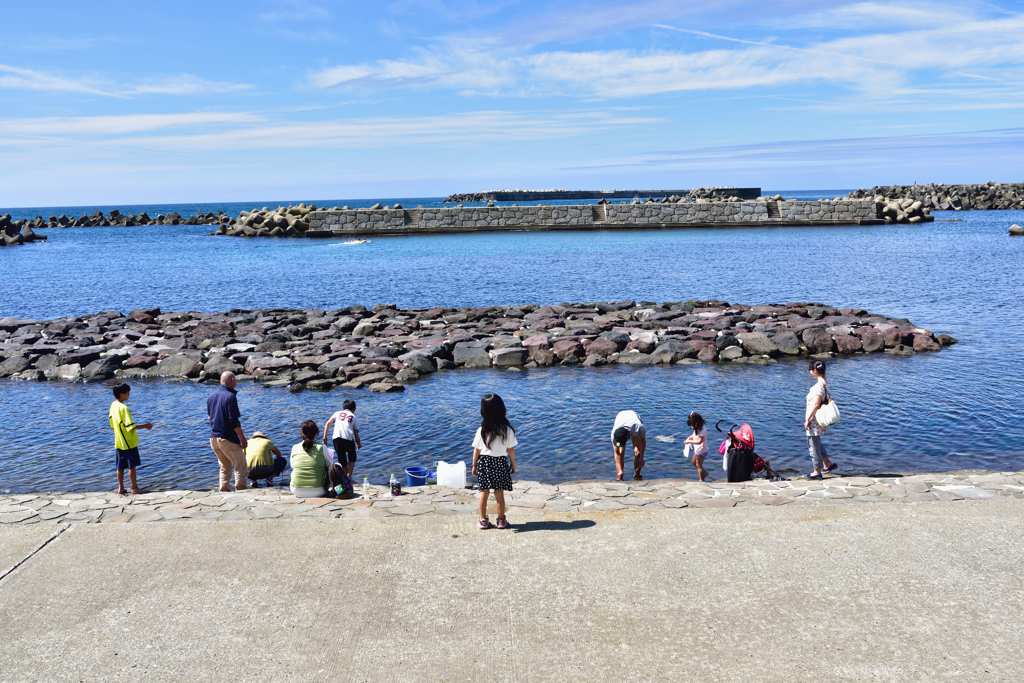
{"type": "Point", "coordinates": [226, 437]}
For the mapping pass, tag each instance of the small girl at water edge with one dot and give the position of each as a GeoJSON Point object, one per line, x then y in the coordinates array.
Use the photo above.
{"type": "Point", "coordinates": [699, 442]}
{"type": "Point", "coordinates": [494, 457]}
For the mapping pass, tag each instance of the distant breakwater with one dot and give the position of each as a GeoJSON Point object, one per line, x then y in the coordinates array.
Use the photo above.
{"type": "Point", "coordinates": [726, 193]}
{"type": "Point", "coordinates": [382, 348]}
{"type": "Point", "coordinates": [985, 196]}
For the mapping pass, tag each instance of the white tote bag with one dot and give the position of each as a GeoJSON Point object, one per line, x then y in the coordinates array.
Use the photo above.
{"type": "Point", "coordinates": [828, 414]}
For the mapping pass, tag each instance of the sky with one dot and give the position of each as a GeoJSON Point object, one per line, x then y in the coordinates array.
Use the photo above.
{"type": "Point", "coordinates": [136, 102]}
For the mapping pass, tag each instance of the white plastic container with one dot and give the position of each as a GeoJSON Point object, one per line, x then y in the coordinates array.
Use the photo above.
{"type": "Point", "coordinates": [451, 474]}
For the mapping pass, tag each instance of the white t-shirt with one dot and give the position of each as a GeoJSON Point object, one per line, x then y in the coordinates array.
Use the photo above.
{"type": "Point", "coordinates": [817, 391]}
{"type": "Point", "coordinates": [702, 449]}
{"type": "Point", "coordinates": [631, 421]}
{"type": "Point", "coordinates": [344, 425]}
{"type": "Point", "coordinates": [499, 447]}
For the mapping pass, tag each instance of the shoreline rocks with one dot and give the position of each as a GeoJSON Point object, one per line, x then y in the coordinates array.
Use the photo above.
{"type": "Point", "coordinates": [986, 196]}
{"type": "Point", "coordinates": [385, 347]}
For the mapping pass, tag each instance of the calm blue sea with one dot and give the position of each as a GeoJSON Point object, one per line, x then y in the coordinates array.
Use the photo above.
{"type": "Point", "coordinates": [956, 409]}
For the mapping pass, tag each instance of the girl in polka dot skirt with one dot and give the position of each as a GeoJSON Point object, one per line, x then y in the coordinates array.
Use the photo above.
{"type": "Point", "coordinates": [494, 457]}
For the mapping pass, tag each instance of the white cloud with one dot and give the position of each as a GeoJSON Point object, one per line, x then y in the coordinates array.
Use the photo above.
{"type": "Point", "coordinates": [118, 124]}
{"type": "Point", "coordinates": [16, 78]}
{"type": "Point", "coordinates": [890, 58]}
{"type": "Point", "coordinates": [29, 79]}
{"type": "Point", "coordinates": [246, 131]}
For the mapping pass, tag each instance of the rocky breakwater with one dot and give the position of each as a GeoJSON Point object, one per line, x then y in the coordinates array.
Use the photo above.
{"type": "Point", "coordinates": [986, 196]}
{"type": "Point", "coordinates": [115, 218]}
{"type": "Point", "coordinates": [13, 233]}
{"type": "Point", "coordinates": [284, 221]}
{"type": "Point", "coordinates": [384, 347]}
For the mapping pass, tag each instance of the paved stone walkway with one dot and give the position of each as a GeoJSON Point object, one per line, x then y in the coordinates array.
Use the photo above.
{"type": "Point", "coordinates": [528, 498]}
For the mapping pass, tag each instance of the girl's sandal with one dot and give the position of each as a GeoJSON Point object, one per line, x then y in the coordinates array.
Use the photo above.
{"type": "Point", "coordinates": [485, 524]}
{"type": "Point", "coordinates": [831, 467]}
{"type": "Point", "coordinates": [502, 523]}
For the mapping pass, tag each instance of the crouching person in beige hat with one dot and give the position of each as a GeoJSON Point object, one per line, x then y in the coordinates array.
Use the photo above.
{"type": "Point", "coordinates": [263, 459]}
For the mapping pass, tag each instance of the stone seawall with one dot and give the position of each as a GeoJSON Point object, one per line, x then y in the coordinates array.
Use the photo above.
{"type": "Point", "coordinates": [385, 347]}
{"type": "Point", "coordinates": [341, 222]}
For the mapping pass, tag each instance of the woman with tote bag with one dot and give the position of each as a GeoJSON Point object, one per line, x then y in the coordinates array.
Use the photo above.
{"type": "Point", "coordinates": [821, 412]}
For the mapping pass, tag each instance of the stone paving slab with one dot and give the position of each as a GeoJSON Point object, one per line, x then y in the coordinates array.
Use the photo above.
{"type": "Point", "coordinates": [527, 499]}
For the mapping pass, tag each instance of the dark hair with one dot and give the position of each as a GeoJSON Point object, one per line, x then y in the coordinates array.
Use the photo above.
{"type": "Point", "coordinates": [493, 422]}
{"type": "Point", "coordinates": [818, 366]}
{"type": "Point", "coordinates": [309, 431]}
{"type": "Point", "coordinates": [121, 389]}
{"type": "Point", "coordinates": [695, 421]}
{"type": "Point", "coordinates": [349, 404]}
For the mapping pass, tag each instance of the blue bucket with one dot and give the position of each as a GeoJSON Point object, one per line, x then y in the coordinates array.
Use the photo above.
{"type": "Point", "coordinates": [415, 476]}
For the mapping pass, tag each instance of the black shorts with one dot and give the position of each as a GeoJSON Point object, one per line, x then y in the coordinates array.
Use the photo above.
{"type": "Point", "coordinates": [128, 459]}
{"type": "Point", "coordinates": [345, 451]}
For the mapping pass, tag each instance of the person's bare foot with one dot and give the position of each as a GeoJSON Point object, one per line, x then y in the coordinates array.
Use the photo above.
{"type": "Point", "coordinates": [139, 492]}
{"type": "Point", "coordinates": [618, 477]}
{"type": "Point", "coordinates": [122, 491]}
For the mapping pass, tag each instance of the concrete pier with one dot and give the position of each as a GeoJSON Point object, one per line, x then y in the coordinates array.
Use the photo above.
{"type": "Point", "coordinates": [701, 213]}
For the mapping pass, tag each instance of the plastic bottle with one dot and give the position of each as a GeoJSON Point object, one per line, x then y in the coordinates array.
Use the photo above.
{"type": "Point", "coordinates": [366, 487]}
{"type": "Point", "coordinates": [396, 490]}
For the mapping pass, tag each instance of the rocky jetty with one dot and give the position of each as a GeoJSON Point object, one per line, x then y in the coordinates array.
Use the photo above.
{"type": "Point", "coordinates": [13, 233]}
{"type": "Point", "coordinates": [384, 347]}
{"type": "Point", "coordinates": [986, 196]}
{"type": "Point", "coordinates": [284, 221]}
{"type": "Point", "coordinates": [98, 219]}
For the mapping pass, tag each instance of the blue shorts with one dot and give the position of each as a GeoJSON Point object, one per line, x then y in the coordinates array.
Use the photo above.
{"type": "Point", "coordinates": [127, 459]}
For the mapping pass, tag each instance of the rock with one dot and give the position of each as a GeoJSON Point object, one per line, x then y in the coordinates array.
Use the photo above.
{"type": "Point", "coordinates": [757, 344]}
{"type": "Point", "coordinates": [418, 362]}
{"type": "Point", "coordinates": [637, 359]}
{"type": "Point", "coordinates": [708, 354]}
{"type": "Point", "coordinates": [509, 357]}
{"type": "Point", "coordinates": [364, 329]}
{"type": "Point", "coordinates": [730, 353]}
{"type": "Point", "coordinates": [386, 387]}
{"type": "Point", "coordinates": [101, 369]}
{"type": "Point", "coordinates": [142, 362]}
{"type": "Point", "coordinates": [817, 340]}
{"type": "Point", "coordinates": [266, 364]}
{"type": "Point", "coordinates": [925, 342]}
{"type": "Point", "coordinates": [481, 361]}
{"type": "Point", "coordinates": [178, 365]}
{"type": "Point", "coordinates": [465, 351]}
{"type": "Point", "coordinates": [149, 313]}
{"type": "Point", "coordinates": [1016, 230]}
{"type": "Point", "coordinates": [407, 375]}
{"type": "Point", "coordinates": [568, 347]}
{"type": "Point", "coordinates": [644, 346]}
{"type": "Point", "coordinates": [669, 351]}
{"type": "Point", "coordinates": [620, 339]}
{"type": "Point", "coordinates": [725, 340]}
{"type": "Point", "coordinates": [602, 347]}
{"type": "Point", "coordinates": [871, 339]}
{"type": "Point", "coordinates": [847, 343]}
{"type": "Point", "coordinates": [543, 356]}
{"type": "Point", "coordinates": [945, 340]}
{"type": "Point", "coordinates": [82, 356]}
{"type": "Point", "coordinates": [788, 343]}
{"type": "Point", "coordinates": [67, 373]}
{"type": "Point", "coordinates": [13, 365]}
{"type": "Point", "coordinates": [220, 364]}
{"type": "Point", "coordinates": [593, 360]}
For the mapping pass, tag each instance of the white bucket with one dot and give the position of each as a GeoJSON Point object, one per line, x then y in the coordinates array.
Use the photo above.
{"type": "Point", "coordinates": [451, 474]}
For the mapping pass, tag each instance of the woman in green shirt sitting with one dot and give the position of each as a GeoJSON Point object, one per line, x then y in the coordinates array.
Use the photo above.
{"type": "Point", "coordinates": [311, 470]}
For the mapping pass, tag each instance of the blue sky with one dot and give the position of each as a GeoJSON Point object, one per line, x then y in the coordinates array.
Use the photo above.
{"type": "Point", "coordinates": [129, 102]}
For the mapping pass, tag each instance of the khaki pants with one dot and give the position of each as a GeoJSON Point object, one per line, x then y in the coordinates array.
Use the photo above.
{"type": "Point", "coordinates": [230, 455]}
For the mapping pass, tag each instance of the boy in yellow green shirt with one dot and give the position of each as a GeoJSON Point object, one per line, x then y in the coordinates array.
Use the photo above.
{"type": "Point", "coordinates": [126, 438]}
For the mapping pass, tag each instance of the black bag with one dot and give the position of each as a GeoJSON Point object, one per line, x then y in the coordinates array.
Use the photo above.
{"type": "Point", "coordinates": [740, 464]}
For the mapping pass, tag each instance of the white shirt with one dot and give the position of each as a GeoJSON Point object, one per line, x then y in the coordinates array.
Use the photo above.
{"type": "Point", "coordinates": [817, 391]}
{"type": "Point", "coordinates": [344, 425]}
{"type": "Point", "coordinates": [631, 421]}
{"type": "Point", "coordinates": [499, 447]}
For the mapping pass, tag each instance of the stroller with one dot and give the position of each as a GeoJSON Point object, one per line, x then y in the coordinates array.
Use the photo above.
{"type": "Point", "coordinates": [739, 459]}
